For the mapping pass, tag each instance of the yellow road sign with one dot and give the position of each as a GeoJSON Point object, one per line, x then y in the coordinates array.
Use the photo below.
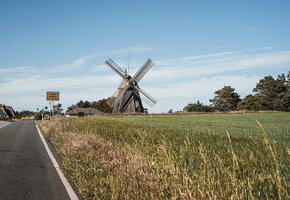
{"type": "Point", "coordinates": [52, 96]}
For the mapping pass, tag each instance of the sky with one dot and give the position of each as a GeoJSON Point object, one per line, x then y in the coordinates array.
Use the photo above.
{"type": "Point", "coordinates": [197, 47]}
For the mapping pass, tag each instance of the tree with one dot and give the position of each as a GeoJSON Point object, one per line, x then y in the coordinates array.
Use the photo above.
{"type": "Point", "coordinates": [226, 99]}
{"type": "Point", "coordinates": [71, 108]}
{"type": "Point", "coordinates": [197, 107]}
{"type": "Point", "coordinates": [282, 102]}
{"type": "Point", "coordinates": [269, 91]}
{"type": "Point", "coordinates": [38, 116]}
{"type": "Point", "coordinates": [57, 108]}
{"type": "Point", "coordinates": [83, 104]}
{"type": "Point", "coordinates": [25, 113]}
{"type": "Point", "coordinates": [288, 81]}
{"type": "Point", "coordinates": [102, 105]}
{"type": "Point", "coordinates": [170, 111]}
{"type": "Point", "coordinates": [250, 102]}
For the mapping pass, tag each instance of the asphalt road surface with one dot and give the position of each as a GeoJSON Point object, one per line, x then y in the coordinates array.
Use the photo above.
{"type": "Point", "coordinates": [26, 171]}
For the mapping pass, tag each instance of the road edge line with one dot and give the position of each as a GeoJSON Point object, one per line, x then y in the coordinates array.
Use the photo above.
{"type": "Point", "coordinates": [65, 182]}
{"type": "Point", "coordinates": [4, 125]}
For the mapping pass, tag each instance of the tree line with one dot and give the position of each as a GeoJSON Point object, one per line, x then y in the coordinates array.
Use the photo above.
{"type": "Point", "coordinates": [100, 105]}
{"type": "Point", "coordinates": [269, 94]}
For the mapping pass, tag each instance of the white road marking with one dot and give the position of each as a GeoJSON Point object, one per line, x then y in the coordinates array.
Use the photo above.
{"type": "Point", "coordinates": [65, 182]}
{"type": "Point", "coordinates": [3, 123]}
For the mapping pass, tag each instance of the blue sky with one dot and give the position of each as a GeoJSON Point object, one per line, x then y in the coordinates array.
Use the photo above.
{"type": "Point", "coordinates": [198, 47]}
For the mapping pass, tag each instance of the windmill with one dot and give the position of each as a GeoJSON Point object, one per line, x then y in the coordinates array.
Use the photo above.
{"type": "Point", "coordinates": [127, 98]}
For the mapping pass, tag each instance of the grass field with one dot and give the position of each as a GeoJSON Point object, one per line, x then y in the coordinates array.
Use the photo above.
{"type": "Point", "coordinates": [218, 156]}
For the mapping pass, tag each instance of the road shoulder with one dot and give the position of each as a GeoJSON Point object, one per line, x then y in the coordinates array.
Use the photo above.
{"type": "Point", "coordinates": [4, 123]}
{"type": "Point", "coordinates": [57, 163]}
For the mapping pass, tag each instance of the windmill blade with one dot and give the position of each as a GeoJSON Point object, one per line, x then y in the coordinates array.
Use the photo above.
{"type": "Point", "coordinates": [148, 99]}
{"type": "Point", "coordinates": [110, 101]}
{"type": "Point", "coordinates": [113, 97]}
{"type": "Point", "coordinates": [116, 68]}
{"type": "Point", "coordinates": [143, 70]}
{"type": "Point", "coordinates": [119, 90]}
{"type": "Point", "coordinates": [120, 95]}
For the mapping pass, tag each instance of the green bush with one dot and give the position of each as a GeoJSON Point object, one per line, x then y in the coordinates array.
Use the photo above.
{"type": "Point", "coordinates": [38, 116]}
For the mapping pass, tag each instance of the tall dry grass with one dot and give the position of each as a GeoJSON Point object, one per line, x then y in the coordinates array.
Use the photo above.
{"type": "Point", "coordinates": [109, 159]}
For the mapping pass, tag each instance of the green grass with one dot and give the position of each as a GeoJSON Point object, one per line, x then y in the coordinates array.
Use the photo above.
{"type": "Point", "coordinates": [239, 156]}
{"type": "Point", "coordinates": [244, 125]}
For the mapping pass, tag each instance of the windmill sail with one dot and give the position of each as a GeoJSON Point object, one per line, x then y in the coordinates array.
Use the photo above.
{"type": "Point", "coordinates": [148, 99]}
{"type": "Point", "coordinates": [121, 94]}
{"type": "Point", "coordinates": [121, 87]}
{"type": "Point", "coordinates": [143, 70]}
{"type": "Point", "coordinates": [116, 68]}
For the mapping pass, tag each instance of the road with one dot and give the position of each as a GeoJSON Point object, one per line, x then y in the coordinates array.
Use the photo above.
{"type": "Point", "coordinates": [3, 123]}
{"type": "Point", "coordinates": [26, 171]}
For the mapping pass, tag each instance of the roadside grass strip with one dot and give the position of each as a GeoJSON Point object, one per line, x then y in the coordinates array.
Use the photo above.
{"type": "Point", "coordinates": [65, 182]}
{"type": "Point", "coordinates": [175, 157]}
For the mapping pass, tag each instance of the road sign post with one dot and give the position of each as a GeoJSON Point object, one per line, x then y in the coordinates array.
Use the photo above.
{"type": "Point", "coordinates": [52, 96]}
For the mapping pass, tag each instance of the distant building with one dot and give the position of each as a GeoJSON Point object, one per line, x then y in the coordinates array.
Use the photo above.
{"type": "Point", "coordinates": [83, 112]}
{"type": "Point", "coordinates": [6, 112]}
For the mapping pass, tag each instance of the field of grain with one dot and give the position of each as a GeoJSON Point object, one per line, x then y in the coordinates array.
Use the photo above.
{"type": "Point", "coordinates": [202, 156]}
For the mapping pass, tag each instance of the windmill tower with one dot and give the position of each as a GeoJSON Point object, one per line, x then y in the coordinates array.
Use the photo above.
{"type": "Point", "coordinates": [127, 98]}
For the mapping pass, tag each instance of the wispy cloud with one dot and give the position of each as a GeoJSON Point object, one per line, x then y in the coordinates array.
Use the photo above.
{"type": "Point", "coordinates": [81, 62]}
{"type": "Point", "coordinates": [217, 64]}
{"type": "Point", "coordinates": [75, 64]}
{"type": "Point", "coordinates": [17, 69]}
{"type": "Point", "coordinates": [31, 84]}
{"type": "Point", "coordinates": [204, 86]}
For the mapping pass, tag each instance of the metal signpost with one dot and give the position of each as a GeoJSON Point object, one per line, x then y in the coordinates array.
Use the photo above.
{"type": "Point", "coordinates": [52, 96]}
